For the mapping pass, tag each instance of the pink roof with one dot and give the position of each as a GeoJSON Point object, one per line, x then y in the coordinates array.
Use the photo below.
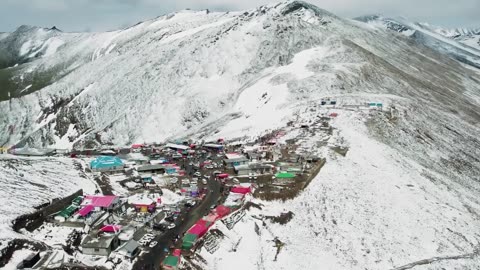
{"type": "Point", "coordinates": [111, 228]}
{"type": "Point", "coordinates": [241, 190]}
{"type": "Point", "coordinates": [198, 229]}
{"type": "Point", "coordinates": [100, 200]}
{"type": "Point", "coordinates": [85, 210]}
{"type": "Point", "coordinates": [223, 175]}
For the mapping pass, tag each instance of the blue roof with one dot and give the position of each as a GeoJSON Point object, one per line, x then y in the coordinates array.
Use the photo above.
{"type": "Point", "coordinates": [104, 162]}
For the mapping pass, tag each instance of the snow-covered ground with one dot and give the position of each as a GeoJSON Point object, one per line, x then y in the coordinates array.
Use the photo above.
{"type": "Point", "coordinates": [373, 209]}
{"type": "Point", "coordinates": [29, 182]}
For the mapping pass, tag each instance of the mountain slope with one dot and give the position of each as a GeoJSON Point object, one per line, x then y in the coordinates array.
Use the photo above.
{"type": "Point", "coordinates": [462, 47]}
{"type": "Point", "coordinates": [173, 73]}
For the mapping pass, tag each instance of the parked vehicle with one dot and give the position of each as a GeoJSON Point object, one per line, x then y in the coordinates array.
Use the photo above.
{"type": "Point", "coordinates": [204, 181]}
{"type": "Point", "coordinates": [190, 203]}
{"type": "Point", "coordinates": [170, 218]}
{"type": "Point", "coordinates": [171, 226]}
{"type": "Point", "coordinates": [160, 227]}
{"type": "Point", "coordinates": [153, 244]}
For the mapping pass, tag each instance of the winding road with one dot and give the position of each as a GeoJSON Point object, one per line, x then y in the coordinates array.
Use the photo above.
{"type": "Point", "coordinates": [155, 256]}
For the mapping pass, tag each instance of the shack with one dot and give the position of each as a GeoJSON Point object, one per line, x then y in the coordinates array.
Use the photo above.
{"type": "Point", "coordinates": [235, 159]}
{"type": "Point", "coordinates": [129, 249]}
{"type": "Point", "coordinates": [152, 168]}
{"type": "Point", "coordinates": [101, 246]}
{"type": "Point", "coordinates": [255, 168]}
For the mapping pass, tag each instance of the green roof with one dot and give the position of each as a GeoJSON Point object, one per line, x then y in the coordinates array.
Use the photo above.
{"type": "Point", "coordinates": [78, 200]}
{"type": "Point", "coordinates": [284, 175]}
{"type": "Point", "coordinates": [171, 261]}
{"type": "Point", "coordinates": [189, 237]}
{"type": "Point", "coordinates": [67, 212]}
{"type": "Point", "coordinates": [187, 245]}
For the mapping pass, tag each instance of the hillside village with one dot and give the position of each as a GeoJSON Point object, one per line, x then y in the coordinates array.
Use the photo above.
{"type": "Point", "coordinates": [156, 204]}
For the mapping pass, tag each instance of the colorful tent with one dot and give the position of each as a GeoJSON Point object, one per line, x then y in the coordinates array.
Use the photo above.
{"type": "Point", "coordinates": [211, 217]}
{"type": "Point", "coordinates": [204, 222]}
{"type": "Point", "coordinates": [111, 228]}
{"type": "Point", "coordinates": [222, 211]}
{"type": "Point", "coordinates": [198, 230]}
{"type": "Point", "coordinates": [171, 262]}
{"type": "Point", "coordinates": [240, 190]}
{"type": "Point", "coordinates": [188, 240]}
{"type": "Point", "coordinates": [283, 175]}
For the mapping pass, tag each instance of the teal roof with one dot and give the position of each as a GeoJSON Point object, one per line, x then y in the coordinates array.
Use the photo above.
{"type": "Point", "coordinates": [105, 162]}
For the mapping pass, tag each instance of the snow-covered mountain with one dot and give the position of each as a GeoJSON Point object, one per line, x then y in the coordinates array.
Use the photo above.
{"type": "Point", "coordinates": [202, 71]}
{"type": "Point", "coordinates": [406, 193]}
{"type": "Point", "coordinates": [461, 44]}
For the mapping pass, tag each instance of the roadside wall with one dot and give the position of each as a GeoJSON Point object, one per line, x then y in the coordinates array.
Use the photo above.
{"type": "Point", "coordinates": [34, 220]}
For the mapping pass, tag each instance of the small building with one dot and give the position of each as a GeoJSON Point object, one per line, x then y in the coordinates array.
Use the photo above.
{"type": "Point", "coordinates": [129, 249]}
{"type": "Point", "coordinates": [66, 213]}
{"type": "Point", "coordinates": [235, 159]}
{"type": "Point", "coordinates": [107, 164]}
{"type": "Point", "coordinates": [256, 168]}
{"type": "Point", "coordinates": [138, 158]}
{"type": "Point", "coordinates": [213, 146]}
{"type": "Point", "coordinates": [143, 204]}
{"type": "Point", "coordinates": [177, 147]}
{"type": "Point", "coordinates": [101, 202]}
{"type": "Point", "coordinates": [100, 246]}
{"type": "Point", "coordinates": [29, 261]}
{"type": "Point", "coordinates": [152, 168]}
{"type": "Point", "coordinates": [146, 178]}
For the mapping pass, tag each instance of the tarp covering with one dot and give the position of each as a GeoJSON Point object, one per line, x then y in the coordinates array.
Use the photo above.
{"type": "Point", "coordinates": [171, 261]}
{"type": "Point", "coordinates": [204, 222]}
{"type": "Point", "coordinates": [285, 175]}
{"type": "Point", "coordinates": [188, 240]}
{"type": "Point", "coordinates": [177, 252]}
{"type": "Point", "coordinates": [198, 229]}
{"type": "Point", "coordinates": [111, 228]}
{"type": "Point", "coordinates": [240, 190]}
{"type": "Point", "coordinates": [211, 217]}
{"type": "Point", "coordinates": [222, 211]}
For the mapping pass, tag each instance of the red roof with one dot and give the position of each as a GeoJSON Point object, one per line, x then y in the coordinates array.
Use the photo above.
{"type": "Point", "coordinates": [198, 229]}
{"type": "Point", "coordinates": [135, 146]}
{"type": "Point", "coordinates": [177, 252]}
{"type": "Point", "coordinates": [240, 189]}
{"type": "Point", "coordinates": [222, 210]}
{"type": "Point", "coordinates": [99, 200]}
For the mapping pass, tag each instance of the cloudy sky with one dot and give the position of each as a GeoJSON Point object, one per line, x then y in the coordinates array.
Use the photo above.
{"type": "Point", "coordinates": [101, 15]}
